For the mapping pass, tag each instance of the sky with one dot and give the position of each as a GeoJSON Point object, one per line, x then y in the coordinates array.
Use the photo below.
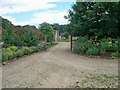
{"type": "Point", "coordinates": [35, 12]}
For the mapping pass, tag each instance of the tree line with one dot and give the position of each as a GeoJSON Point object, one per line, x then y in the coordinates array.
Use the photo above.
{"type": "Point", "coordinates": [28, 35]}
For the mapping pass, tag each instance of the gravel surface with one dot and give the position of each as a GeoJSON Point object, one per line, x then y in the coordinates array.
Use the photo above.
{"type": "Point", "coordinates": [59, 68]}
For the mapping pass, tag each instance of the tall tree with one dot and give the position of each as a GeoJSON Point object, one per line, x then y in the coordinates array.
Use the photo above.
{"type": "Point", "coordinates": [47, 30]}
{"type": "Point", "coordinates": [7, 36]}
{"type": "Point", "coordinates": [94, 19]}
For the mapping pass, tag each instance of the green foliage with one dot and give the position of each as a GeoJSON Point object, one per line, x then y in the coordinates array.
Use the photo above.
{"type": "Point", "coordinates": [103, 46]}
{"type": "Point", "coordinates": [19, 35]}
{"type": "Point", "coordinates": [81, 45]}
{"type": "Point", "coordinates": [91, 47]}
{"type": "Point", "coordinates": [19, 53]}
{"type": "Point", "coordinates": [116, 45]}
{"type": "Point", "coordinates": [8, 50]}
{"type": "Point", "coordinates": [12, 52]}
{"type": "Point", "coordinates": [79, 50]}
{"type": "Point", "coordinates": [50, 37]}
{"type": "Point", "coordinates": [7, 54]}
{"type": "Point", "coordinates": [94, 51]}
{"type": "Point", "coordinates": [10, 55]}
{"type": "Point", "coordinates": [13, 48]}
{"type": "Point", "coordinates": [26, 50]}
{"type": "Point", "coordinates": [42, 46]}
{"type": "Point", "coordinates": [66, 35]}
{"type": "Point", "coordinates": [35, 49]}
{"type": "Point", "coordinates": [94, 19]}
{"type": "Point", "coordinates": [29, 39]}
{"type": "Point", "coordinates": [115, 54]}
{"type": "Point", "coordinates": [7, 36]}
{"type": "Point", "coordinates": [47, 30]}
{"type": "Point", "coordinates": [4, 57]}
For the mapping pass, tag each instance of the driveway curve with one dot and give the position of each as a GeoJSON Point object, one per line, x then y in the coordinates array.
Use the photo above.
{"type": "Point", "coordinates": [55, 68]}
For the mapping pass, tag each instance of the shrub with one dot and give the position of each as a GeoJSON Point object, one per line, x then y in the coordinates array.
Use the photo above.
{"type": "Point", "coordinates": [109, 44]}
{"type": "Point", "coordinates": [103, 46]}
{"type": "Point", "coordinates": [115, 54]}
{"type": "Point", "coordinates": [94, 51]}
{"type": "Point", "coordinates": [0, 58]}
{"type": "Point", "coordinates": [79, 50]}
{"type": "Point", "coordinates": [88, 44]}
{"type": "Point", "coordinates": [13, 48]}
{"type": "Point", "coordinates": [8, 50]}
{"type": "Point", "coordinates": [55, 43]}
{"type": "Point", "coordinates": [4, 57]}
{"type": "Point", "coordinates": [115, 46]}
{"type": "Point", "coordinates": [82, 45]}
{"type": "Point", "coordinates": [15, 55]}
{"type": "Point", "coordinates": [42, 46]}
{"type": "Point", "coordinates": [31, 51]}
{"type": "Point", "coordinates": [7, 54]}
{"type": "Point", "coordinates": [10, 55]}
{"type": "Point", "coordinates": [29, 38]}
{"type": "Point", "coordinates": [35, 49]}
{"type": "Point", "coordinates": [26, 50]}
{"type": "Point", "coordinates": [19, 53]}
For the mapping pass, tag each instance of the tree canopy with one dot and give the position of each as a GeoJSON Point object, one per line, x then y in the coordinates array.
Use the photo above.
{"type": "Point", "coordinates": [94, 19]}
{"type": "Point", "coordinates": [47, 30]}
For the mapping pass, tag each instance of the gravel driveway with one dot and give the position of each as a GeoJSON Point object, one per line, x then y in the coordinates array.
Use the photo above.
{"type": "Point", "coordinates": [59, 68]}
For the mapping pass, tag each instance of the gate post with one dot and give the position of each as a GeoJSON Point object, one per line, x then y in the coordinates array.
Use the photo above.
{"type": "Point", "coordinates": [71, 42]}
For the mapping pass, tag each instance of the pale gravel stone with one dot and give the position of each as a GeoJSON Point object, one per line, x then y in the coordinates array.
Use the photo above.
{"type": "Point", "coordinates": [56, 68]}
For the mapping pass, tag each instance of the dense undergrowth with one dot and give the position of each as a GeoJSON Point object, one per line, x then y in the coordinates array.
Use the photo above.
{"type": "Point", "coordinates": [86, 46]}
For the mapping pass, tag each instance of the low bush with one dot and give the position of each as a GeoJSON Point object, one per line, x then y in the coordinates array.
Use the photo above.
{"type": "Point", "coordinates": [13, 48]}
{"type": "Point", "coordinates": [31, 51]}
{"type": "Point", "coordinates": [26, 50]}
{"type": "Point", "coordinates": [13, 52]}
{"type": "Point", "coordinates": [115, 54]}
{"type": "Point", "coordinates": [7, 55]}
{"type": "Point", "coordinates": [19, 53]}
{"type": "Point", "coordinates": [35, 49]}
{"type": "Point", "coordinates": [7, 50]}
{"type": "Point", "coordinates": [4, 57]}
{"type": "Point", "coordinates": [82, 45]}
{"type": "Point", "coordinates": [94, 51]}
{"type": "Point", "coordinates": [10, 55]}
{"type": "Point", "coordinates": [78, 49]}
{"type": "Point", "coordinates": [42, 46]}
{"type": "Point", "coordinates": [103, 46]}
{"type": "Point", "coordinates": [115, 46]}
{"type": "Point", "coordinates": [90, 47]}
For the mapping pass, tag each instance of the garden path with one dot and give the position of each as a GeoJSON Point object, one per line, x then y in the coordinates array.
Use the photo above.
{"type": "Point", "coordinates": [55, 68]}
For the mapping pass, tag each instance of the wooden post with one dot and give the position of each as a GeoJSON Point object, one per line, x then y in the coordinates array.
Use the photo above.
{"type": "Point", "coordinates": [71, 42]}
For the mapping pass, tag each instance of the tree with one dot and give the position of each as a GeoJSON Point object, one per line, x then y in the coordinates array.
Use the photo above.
{"type": "Point", "coordinates": [7, 36]}
{"type": "Point", "coordinates": [94, 19]}
{"type": "Point", "coordinates": [56, 26]}
{"type": "Point", "coordinates": [47, 30]}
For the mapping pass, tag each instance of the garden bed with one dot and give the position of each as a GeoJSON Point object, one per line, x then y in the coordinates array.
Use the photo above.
{"type": "Point", "coordinates": [14, 52]}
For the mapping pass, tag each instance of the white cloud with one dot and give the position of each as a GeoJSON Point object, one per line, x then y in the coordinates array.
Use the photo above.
{"type": "Point", "coordinates": [17, 6]}
{"type": "Point", "coordinates": [38, 18]}
{"type": "Point", "coordinates": [50, 17]}
{"type": "Point", "coordinates": [13, 20]}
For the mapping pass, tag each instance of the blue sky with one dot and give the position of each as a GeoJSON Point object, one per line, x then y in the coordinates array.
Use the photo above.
{"type": "Point", "coordinates": [34, 12]}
